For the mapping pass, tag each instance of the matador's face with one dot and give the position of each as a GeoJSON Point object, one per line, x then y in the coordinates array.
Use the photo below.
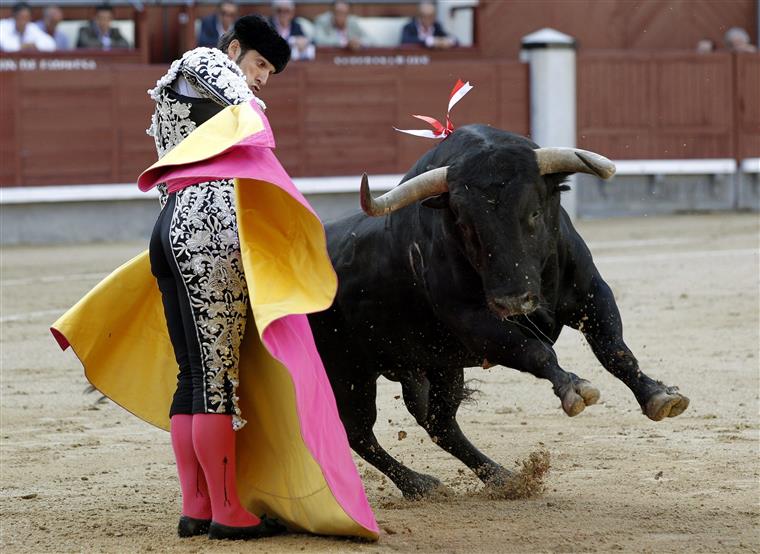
{"type": "Point", "coordinates": [256, 67]}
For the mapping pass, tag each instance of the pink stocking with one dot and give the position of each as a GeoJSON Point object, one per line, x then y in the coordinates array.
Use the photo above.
{"type": "Point", "coordinates": [214, 442]}
{"type": "Point", "coordinates": [195, 499]}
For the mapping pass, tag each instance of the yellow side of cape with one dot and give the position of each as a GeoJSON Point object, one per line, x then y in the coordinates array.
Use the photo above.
{"type": "Point", "coordinates": [227, 128]}
{"type": "Point", "coordinates": [119, 333]}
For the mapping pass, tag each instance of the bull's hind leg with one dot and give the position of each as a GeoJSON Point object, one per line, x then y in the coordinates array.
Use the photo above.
{"type": "Point", "coordinates": [356, 404]}
{"type": "Point", "coordinates": [445, 395]}
{"type": "Point", "coordinates": [416, 391]}
{"type": "Point", "coordinates": [599, 321]}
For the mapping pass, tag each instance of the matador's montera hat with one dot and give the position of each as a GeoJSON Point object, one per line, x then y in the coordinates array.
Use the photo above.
{"type": "Point", "coordinates": [255, 33]}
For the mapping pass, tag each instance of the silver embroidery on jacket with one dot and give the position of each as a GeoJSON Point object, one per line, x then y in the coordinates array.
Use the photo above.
{"type": "Point", "coordinates": [216, 70]}
{"type": "Point", "coordinates": [170, 125]}
{"type": "Point", "coordinates": [206, 248]}
{"type": "Point", "coordinates": [214, 76]}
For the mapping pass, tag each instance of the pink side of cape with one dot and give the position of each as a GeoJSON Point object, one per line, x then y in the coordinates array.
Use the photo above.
{"type": "Point", "coordinates": [289, 339]}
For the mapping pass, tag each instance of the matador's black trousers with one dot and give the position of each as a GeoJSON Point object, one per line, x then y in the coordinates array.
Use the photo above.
{"type": "Point", "coordinates": [195, 257]}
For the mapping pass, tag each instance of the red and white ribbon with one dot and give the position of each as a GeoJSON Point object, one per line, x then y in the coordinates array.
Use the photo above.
{"type": "Point", "coordinates": [440, 130]}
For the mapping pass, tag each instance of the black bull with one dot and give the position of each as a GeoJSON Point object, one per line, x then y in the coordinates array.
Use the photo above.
{"type": "Point", "coordinates": [485, 270]}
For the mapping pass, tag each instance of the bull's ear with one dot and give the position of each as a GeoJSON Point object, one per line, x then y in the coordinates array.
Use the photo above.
{"type": "Point", "coordinates": [439, 202]}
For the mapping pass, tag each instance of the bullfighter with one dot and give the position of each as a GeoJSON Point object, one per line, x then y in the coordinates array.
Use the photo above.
{"type": "Point", "coordinates": [237, 259]}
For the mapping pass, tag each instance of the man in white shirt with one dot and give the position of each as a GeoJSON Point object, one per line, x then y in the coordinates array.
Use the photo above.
{"type": "Point", "coordinates": [51, 17]}
{"type": "Point", "coordinates": [18, 32]}
{"type": "Point", "coordinates": [338, 29]}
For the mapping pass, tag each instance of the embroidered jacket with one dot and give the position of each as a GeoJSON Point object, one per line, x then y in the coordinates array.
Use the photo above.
{"type": "Point", "coordinates": [217, 81]}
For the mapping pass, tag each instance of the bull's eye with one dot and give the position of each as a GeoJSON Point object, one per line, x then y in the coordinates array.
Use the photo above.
{"type": "Point", "coordinates": [471, 243]}
{"type": "Point", "coordinates": [536, 214]}
{"type": "Point", "coordinates": [468, 234]}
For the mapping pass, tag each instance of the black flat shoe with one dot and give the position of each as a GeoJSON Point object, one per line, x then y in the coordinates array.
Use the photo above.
{"type": "Point", "coordinates": [267, 528]}
{"type": "Point", "coordinates": [191, 527]}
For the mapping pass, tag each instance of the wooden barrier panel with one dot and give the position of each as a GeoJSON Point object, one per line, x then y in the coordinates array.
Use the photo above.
{"type": "Point", "coordinates": [657, 106]}
{"type": "Point", "coordinates": [71, 127]}
{"type": "Point", "coordinates": [79, 127]}
{"type": "Point", "coordinates": [336, 116]}
{"type": "Point", "coordinates": [748, 105]}
{"type": "Point", "coordinates": [10, 173]}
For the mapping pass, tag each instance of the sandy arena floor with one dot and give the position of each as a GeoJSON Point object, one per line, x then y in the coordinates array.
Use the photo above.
{"type": "Point", "coordinates": [77, 477]}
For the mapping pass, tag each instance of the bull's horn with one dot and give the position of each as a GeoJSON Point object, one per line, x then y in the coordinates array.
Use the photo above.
{"type": "Point", "coordinates": [573, 160]}
{"type": "Point", "coordinates": [425, 185]}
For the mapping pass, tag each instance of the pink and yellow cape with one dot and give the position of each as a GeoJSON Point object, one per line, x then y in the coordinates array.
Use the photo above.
{"type": "Point", "coordinates": [294, 460]}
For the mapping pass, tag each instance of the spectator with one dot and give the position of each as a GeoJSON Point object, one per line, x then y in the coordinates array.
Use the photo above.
{"type": "Point", "coordinates": [51, 17]}
{"type": "Point", "coordinates": [424, 30]}
{"type": "Point", "coordinates": [283, 21]}
{"type": "Point", "coordinates": [737, 40]}
{"type": "Point", "coordinates": [215, 25]}
{"type": "Point", "coordinates": [705, 46]}
{"type": "Point", "coordinates": [98, 33]}
{"type": "Point", "coordinates": [337, 28]}
{"type": "Point", "coordinates": [19, 33]}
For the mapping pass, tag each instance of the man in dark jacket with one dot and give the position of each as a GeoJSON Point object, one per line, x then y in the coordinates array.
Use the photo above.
{"type": "Point", "coordinates": [283, 21]}
{"type": "Point", "coordinates": [215, 25]}
{"type": "Point", "coordinates": [424, 30]}
{"type": "Point", "coordinates": [98, 33]}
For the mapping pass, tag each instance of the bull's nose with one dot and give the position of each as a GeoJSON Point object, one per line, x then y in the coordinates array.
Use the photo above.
{"type": "Point", "coordinates": [506, 306]}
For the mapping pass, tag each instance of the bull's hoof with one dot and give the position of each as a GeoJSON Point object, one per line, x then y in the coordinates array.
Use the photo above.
{"type": "Point", "coordinates": [665, 403]}
{"type": "Point", "coordinates": [497, 477]}
{"type": "Point", "coordinates": [588, 392]}
{"type": "Point", "coordinates": [421, 486]}
{"type": "Point", "coordinates": [582, 394]}
{"type": "Point", "coordinates": [573, 403]}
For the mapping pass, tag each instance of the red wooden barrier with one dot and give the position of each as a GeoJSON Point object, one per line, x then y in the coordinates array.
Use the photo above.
{"type": "Point", "coordinates": [67, 127]}
{"type": "Point", "coordinates": [658, 105]}
{"type": "Point", "coordinates": [83, 127]}
{"type": "Point", "coordinates": [63, 127]}
{"type": "Point", "coordinates": [747, 105]}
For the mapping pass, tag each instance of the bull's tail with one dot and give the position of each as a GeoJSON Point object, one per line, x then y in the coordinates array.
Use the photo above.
{"type": "Point", "coordinates": [471, 394]}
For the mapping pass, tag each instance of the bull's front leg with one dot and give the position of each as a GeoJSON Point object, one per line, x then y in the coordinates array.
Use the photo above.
{"type": "Point", "coordinates": [538, 359]}
{"type": "Point", "coordinates": [505, 343]}
{"type": "Point", "coordinates": [599, 321]}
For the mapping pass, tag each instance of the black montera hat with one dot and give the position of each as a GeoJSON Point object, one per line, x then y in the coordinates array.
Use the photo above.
{"type": "Point", "coordinates": [255, 33]}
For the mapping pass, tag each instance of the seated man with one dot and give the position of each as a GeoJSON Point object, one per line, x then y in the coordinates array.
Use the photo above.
{"type": "Point", "coordinates": [283, 21]}
{"type": "Point", "coordinates": [98, 34]}
{"type": "Point", "coordinates": [19, 33]}
{"type": "Point", "coordinates": [424, 30]}
{"type": "Point", "coordinates": [338, 29]}
{"type": "Point", "coordinates": [51, 17]}
{"type": "Point", "coordinates": [215, 25]}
